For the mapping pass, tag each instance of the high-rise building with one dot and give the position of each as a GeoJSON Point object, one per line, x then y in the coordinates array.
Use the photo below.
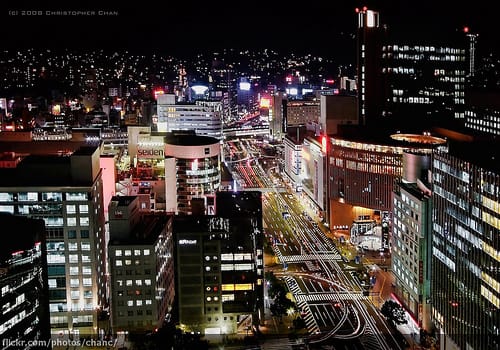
{"type": "Point", "coordinates": [405, 85]}
{"type": "Point", "coordinates": [370, 39]}
{"type": "Point", "coordinates": [412, 238]}
{"type": "Point", "coordinates": [141, 267]}
{"type": "Point", "coordinates": [23, 284]}
{"type": "Point", "coordinates": [219, 265]}
{"type": "Point", "coordinates": [425, 85]}
{"type": "Point", "coordinates": [67, 193]}
{"type": "Point", "coordinates": [465, 245]}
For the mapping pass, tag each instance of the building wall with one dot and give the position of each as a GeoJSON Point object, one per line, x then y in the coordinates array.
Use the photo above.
{"type": "Point", "coordinates": [337, 110]}
{"type": "Point", "coordinates": [302, 112]}
{"type": "Point", "coordinates": [465, 261]}
{"type": "Point", "coordinates": [205, 117]}
{"type": "Point", "coordinates": [363, 174]}
{"type": "Point", "coordinates": [219, 273]}
{"type": "Point", "coordinates": [74, 219]}
{"type": "Point", "coordinates": [411, 252]}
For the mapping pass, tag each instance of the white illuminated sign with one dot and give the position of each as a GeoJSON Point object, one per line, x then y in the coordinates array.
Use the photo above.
{"type": "Point", "coordinates": [187, 241]}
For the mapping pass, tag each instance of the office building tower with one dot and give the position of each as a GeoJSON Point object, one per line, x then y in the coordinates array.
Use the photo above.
{"type": "Point", "coordinates": [203, 116]}
{"type": "Point", "coordinates": [465, 246]}
{"type": "Point", "coordinates": [141, 267]}
{"type": "Point", "coordinates": [277, 116]}
{"type": "Point", "coordinates": [408, 86]}
{"type": "Point", "coordinates": [425, 85]}
{"type": "Point", "coordinates": [412, 237]}
{"type": "Point", "coordinates": [66, 192]}
{"type": "Point", "coordinates": [219, 266]}
{"type": "Point", "coordinates": [23, 284]}
{"type": "Point", "coordinates": [370, 39]}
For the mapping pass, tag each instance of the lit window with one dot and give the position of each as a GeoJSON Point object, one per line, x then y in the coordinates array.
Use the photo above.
{"type": "Point", "coordinates": [118, 253]}
{"type": "Point", "coordinates": [146, 251]}
{"type": "Point", "coordinates": [84, 221]}
{"type": "Point", "coordinates": [71, 221]}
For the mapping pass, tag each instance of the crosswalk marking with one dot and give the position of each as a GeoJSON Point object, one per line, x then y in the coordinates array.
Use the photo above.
{"type": "Point", "coordinates": [308, 257]}
{"type": "Point", "coordinates": [329, 296]}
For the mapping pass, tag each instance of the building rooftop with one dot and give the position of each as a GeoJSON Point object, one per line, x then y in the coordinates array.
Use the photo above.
{"type": "Point", "coordinates": [44, 170]}
{"type": "Point", "coordinates": [23, 233]}
{"type": "Point", "coordinates": [190, 140]}
{"type": "Point", "coordinates": [146, 231]}
{"type": "Point", "coordinates": [483, 153]}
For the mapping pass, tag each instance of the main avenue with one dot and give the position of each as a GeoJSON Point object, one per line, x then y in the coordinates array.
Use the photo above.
{"type": "Point", "coordinates": [338, 311]}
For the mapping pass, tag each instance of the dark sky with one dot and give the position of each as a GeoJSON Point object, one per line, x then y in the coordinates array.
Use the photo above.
{"type": "Point", "coordinates": [322, 25]}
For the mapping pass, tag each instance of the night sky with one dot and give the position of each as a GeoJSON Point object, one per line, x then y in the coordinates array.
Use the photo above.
{"type": "Point", "coordinates": [324, 26]}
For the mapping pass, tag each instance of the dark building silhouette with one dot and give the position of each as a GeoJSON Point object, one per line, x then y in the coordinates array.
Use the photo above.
{"type": "Point", "coordinates": [408, 84]}
{"type": "Point", "coordinates": [23, 284]}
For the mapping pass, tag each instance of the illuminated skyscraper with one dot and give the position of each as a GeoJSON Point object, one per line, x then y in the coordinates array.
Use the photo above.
{"type": "Point", "coordinates": [465, 245]}
{"type": "Point", "coordinates": [67, 193]}
{"type": "Point", "coordinates": [407, 85]}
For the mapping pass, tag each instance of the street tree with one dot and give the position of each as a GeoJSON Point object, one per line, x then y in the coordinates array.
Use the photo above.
{"type": "Point", "coordinates": [394, 313]}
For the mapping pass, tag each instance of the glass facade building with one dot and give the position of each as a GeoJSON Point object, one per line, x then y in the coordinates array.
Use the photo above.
{"type": "Point", "coordinates": [466, 246]}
